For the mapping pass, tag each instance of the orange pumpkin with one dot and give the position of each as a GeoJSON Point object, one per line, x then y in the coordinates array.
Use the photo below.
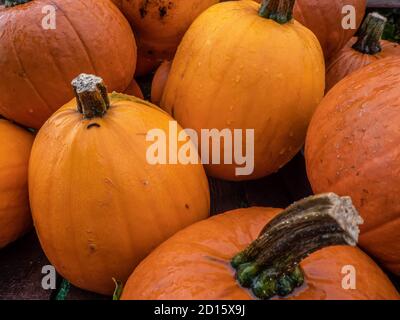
{"type": "Point", "coordinates": [15, 148]}
{"type": "Point", "coordinates": [268, 77]}
{"type": "Point", "coordinates": [134, 90]}
{"type": "Point", "coordinates": [98, 205]}
{"type": "Point", "coordinates": [197, 262]}
{"type": "Point", "coordinates": [361, 51]}
{"type": "Point", "coordinates": [325, 17]}
{"type": "Point", "coordinates": [353, 149]}
{"type": "Point", "coordinates": [159, 26]}
{"type": "Point", "coordinates": [159, 82]}
{"type": "Point", "coordinates": [37, 64]}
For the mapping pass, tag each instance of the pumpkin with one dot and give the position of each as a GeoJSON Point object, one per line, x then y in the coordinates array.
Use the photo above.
{"type": "Point", "coordinates": [325, 17]}
{"type": "Point", "coordinates": [268, 78]}
{"type": "Point", "coordinates": [353, 149]}
{"type": "Point", "coordinates": [159, 26]}
{"type": "Point", "coordinates": [98, 204]}
{"type": "Point", "coordinates": [361, 51]}
{"type": "Point", "coordinates": [37, 64]}
{"type": "Point", "coordinates": [226, 257]}
{"type": "Point", "coordinates": [159, 82]}
{"type": "Point", "coordinates": [145, 64]}
{"type": "Point", "coordinates": [15, 148]}
{"type": "Point", "coordinates": [134, 90]}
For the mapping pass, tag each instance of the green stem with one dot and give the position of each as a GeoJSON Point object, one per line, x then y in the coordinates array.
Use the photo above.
{"type": "Point", "coordinates": [370, 34]}
{"type": "Point", "coordinates": [91, 95]}
{"type": "Point", "coordinates": [12, 3]}
{"type": "Point", "coordinates": [270, 265]}
{"type": "Point", "coordinates": [119, 287]}
{"type": "Point", "coordinates": [279, 10]}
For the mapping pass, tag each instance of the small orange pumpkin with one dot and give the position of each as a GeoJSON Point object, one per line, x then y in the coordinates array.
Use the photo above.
{"type": "Point", "coordinates": [98, 205]}
{"type": "Point", "coordinates": [159, 82]}
{"type": "Point", "coordinates": [353, 149]}
{"type": "Point", "coordinates": [361, 51]}
{"type": "Point", "coordinates": [37, 64]}
{"type": "Point", "coordinates": [15, 148]}
{"type": "Point", "coordinates": [269, 77]}
{"type": "Point", "coordinates": [197, 262]}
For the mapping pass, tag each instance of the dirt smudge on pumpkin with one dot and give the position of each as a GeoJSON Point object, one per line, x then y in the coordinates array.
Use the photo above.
{"type": "Point", "coordinates": [162, 7]}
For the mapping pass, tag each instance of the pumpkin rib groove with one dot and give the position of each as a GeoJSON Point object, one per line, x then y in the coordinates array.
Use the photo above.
{"type": "Point", "coordinates": [55, 63]}
{"type": "Point", "coordinates": [118, 132]}
{"type": "Point", "coordinates": [85, 49]}
{"type": "Point", "coordinates": [121, 67]}
{"type": "Point", "coordinates": [27, 77]}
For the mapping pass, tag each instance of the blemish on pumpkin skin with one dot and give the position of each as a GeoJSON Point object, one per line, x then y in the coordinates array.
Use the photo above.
{"type": "Point", "coordinates": [187, 206]}
{"type": "Point", "coordinates": [93, 125]}
{"type": "Point", "coordinates": [92, 248]}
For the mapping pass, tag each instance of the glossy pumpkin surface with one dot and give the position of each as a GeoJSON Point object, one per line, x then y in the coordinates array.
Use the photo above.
{"type": "Point", "coordinates": [99, 207]}
{"type": "Point", "coordinates": [195, 264]}
{"type": "Point", "coordinates": [37, 65]}
{"type": "Point", "coordinates": [352, 149]}
{"type": "Point", "coordinates": [15, 148]}
{"type": "Point", "coordinates": [237, 70]}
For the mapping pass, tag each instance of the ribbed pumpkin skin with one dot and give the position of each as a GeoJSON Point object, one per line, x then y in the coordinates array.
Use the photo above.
{"type": "Point", "coordinates": [160, 24]}
{"type": "Point", "coordinates": [195, 264]}
{"type": "Point", "coordinates": [37, 65]}
{"type": "Point", "coordinates": [159, 81]}
{"type": "Point", "coordinates": [15, 148]}
{"type": "Point", "coordinates": [349, 60]}
{"type": "Point", "coordinates": [237, 70]}
{"type": "Point", "coordinates": [352, 149]}
{"type": "Point", "coordinates": [99, 208]}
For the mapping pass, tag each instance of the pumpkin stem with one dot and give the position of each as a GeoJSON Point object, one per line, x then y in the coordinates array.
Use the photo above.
{"type": "Point", "coordinates": [12, 3]}
{"type": "Point", "coordinates": [279, 10]}
{"type": "Point", "coordinates": [270, 265]}
{"type": "Point", "coordinates": [91, 95]}
{"type": "Point", "coordinates": [370, 34]}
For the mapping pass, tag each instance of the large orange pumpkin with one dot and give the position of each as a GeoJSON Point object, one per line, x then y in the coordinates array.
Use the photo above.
{"type": "Point", "coordinates": [37, 63]}
{"type": "Point", "coordinates": [238, 68]}
{"type": "Point", "coordinates": [361, 51]}
{"type": "Point", "coordinates": [325, 17]}
{"type": "Point", "coordinates": [353, 149]}
{"type": "Point", "coordinates": [99, 206]}
{"type": "Point", "coordinates": [197, 262]}
{"type": "Point", "coordinates": [15, 148]}
{"type": "Point", "coordinates": [159, 26]}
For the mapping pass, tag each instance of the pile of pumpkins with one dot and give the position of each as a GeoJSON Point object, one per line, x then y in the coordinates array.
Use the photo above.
{"type": "Point", "coordinates": [102, 212]}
